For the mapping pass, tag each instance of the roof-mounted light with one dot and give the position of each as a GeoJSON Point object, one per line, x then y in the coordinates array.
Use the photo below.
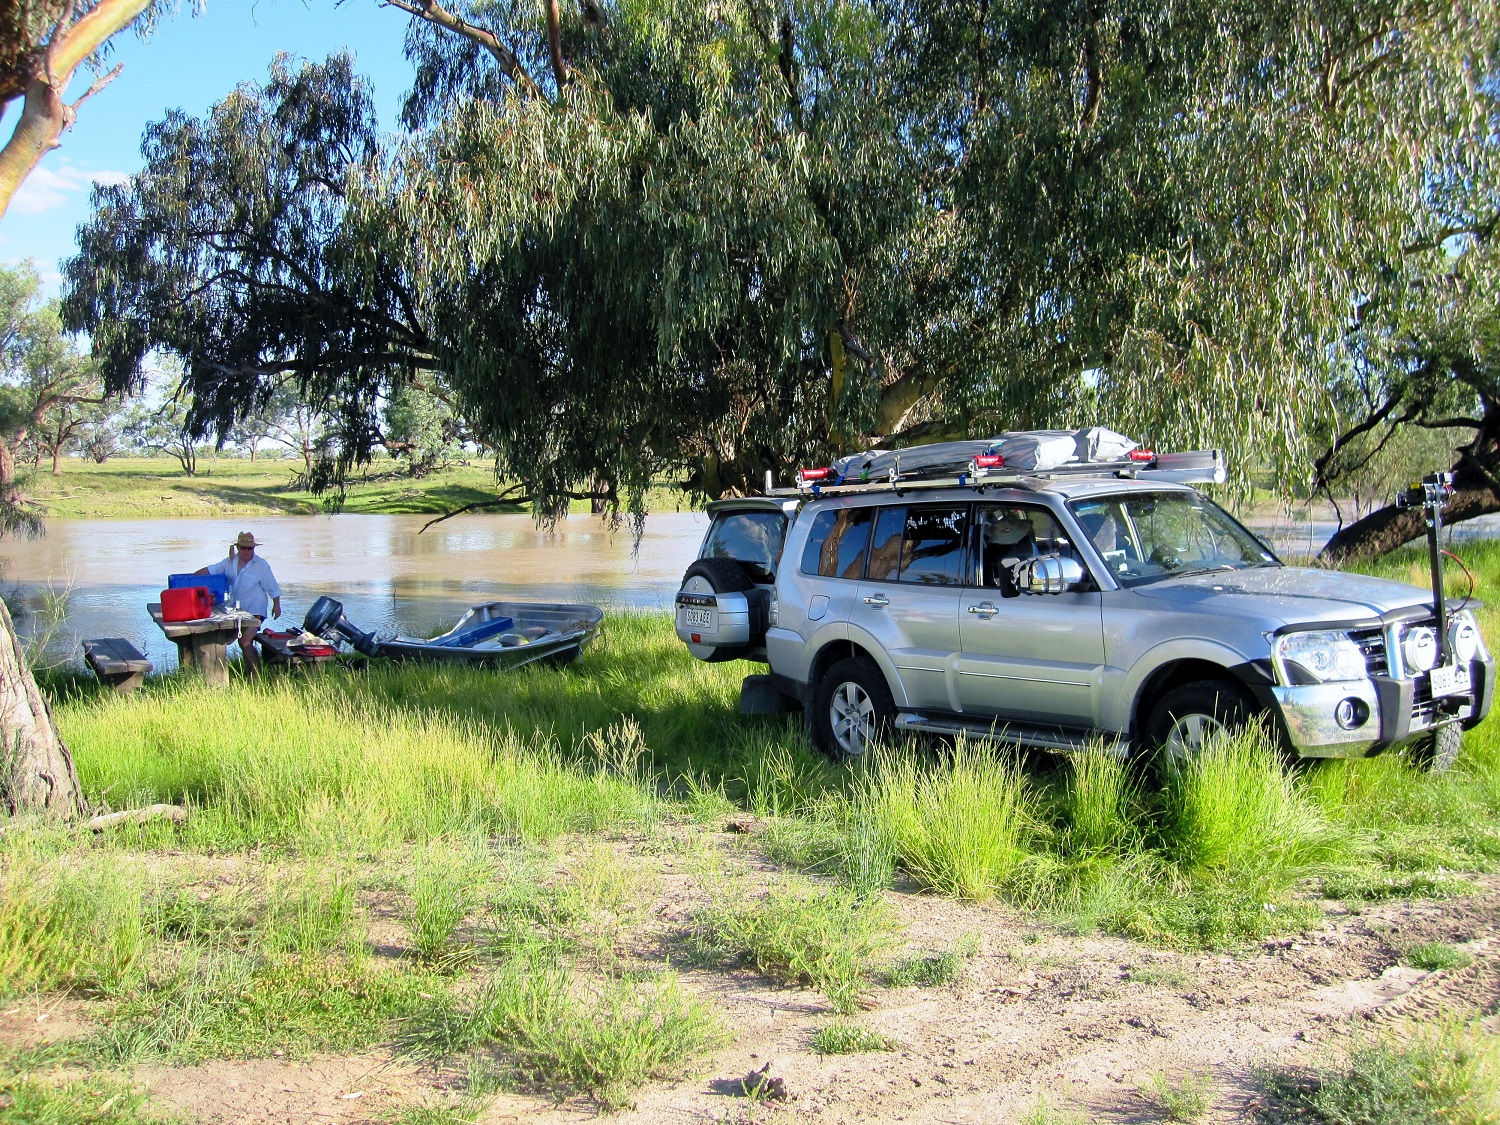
{"type": "Point", "coordinates": [1142, 455]}
{"type": "Point", "coordinates": [982, 463]}
{"type": "Point", "coordinates": [812, 476]}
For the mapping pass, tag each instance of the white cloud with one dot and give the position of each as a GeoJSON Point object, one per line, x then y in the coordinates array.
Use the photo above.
{"type": "Point", "coordinates": [48, 188]}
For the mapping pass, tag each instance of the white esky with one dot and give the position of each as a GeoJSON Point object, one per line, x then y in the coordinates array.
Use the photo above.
{"type": "Point", "coordinates": [189, 63]}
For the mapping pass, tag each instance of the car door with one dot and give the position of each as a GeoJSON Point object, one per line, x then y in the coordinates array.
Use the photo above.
{"type": "Point", "coordinates": [909, 600]}
{"type": "Point", "coordinates": [1036, 658]}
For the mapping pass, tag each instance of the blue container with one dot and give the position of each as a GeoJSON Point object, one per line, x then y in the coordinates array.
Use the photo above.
{"type": "Point", "coordinates": [218, 584]}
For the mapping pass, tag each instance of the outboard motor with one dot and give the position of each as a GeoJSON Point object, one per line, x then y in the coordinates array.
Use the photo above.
{"type": "Point", "coordinates": [326, 614]}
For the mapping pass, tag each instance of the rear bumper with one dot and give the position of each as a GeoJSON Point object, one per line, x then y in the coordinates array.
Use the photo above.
{"type": "Point", "coordinates": [1390, 712]}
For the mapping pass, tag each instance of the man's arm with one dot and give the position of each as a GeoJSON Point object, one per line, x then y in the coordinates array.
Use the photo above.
{"type": "Point", "coordinates": [274, 590]}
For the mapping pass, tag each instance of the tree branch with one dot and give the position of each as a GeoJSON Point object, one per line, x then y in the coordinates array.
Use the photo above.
{"type": "Point", "coordinates": [435, 13]}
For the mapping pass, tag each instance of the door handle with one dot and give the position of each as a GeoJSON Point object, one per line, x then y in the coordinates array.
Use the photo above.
{"type": "Point", "coordinates": [984, 609]}
{"type": "Point", "coordinates": [878, 600]}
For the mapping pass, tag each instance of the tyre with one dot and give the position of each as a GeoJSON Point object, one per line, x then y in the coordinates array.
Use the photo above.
{"type": "Point", "coordinates": [1436, 751]}
{"type": "Point", "coordinates": [852, 709]}
{"type": "Point", "coordinates": [725, 576]}
{"type": "Point", "coordinates": [1187, 716]}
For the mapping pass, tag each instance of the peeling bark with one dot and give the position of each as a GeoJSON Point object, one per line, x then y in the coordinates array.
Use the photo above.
{"type": "Point", "coordinates": [37, 775]}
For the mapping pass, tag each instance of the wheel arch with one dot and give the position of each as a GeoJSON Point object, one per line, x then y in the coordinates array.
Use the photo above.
{"type": "Point", "coordinates": [1172, 674]}
{"type": "Point", "coordinates": [842, 649]}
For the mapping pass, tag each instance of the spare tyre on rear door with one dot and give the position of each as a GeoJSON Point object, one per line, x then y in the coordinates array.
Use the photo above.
{"type": "Point", "coordinates": [726, 594]}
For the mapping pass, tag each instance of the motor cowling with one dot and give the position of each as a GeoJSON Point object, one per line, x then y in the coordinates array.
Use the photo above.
{"type": "Point", "coordinates": [327, 614]}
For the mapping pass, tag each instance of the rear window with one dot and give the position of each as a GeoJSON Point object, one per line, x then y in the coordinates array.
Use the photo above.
{"type": "Point", "coordinates": [752, 539]}
{"type": "Point", "coordinates": [836, 544]}
{"type": "Point", "coordinates": [921, 545]}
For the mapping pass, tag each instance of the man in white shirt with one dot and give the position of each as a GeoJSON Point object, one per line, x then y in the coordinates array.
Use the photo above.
{"type": "Point", "coordinates": [251, 587]}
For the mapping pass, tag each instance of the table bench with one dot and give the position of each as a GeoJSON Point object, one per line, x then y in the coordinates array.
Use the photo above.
{"type": "Point", "coordinates": [117, 663]}
{"type": "Point", "coordinates": [200, 644]}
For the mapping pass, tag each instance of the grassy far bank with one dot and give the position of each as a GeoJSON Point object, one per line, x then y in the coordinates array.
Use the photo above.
{"type": "Point", "coordinates": [464, 865]}
{"type": "Point", "coordinates": [127, 487]}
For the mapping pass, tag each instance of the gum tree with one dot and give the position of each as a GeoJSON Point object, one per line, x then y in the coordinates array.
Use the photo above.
{"type": "Point", "coordinates": [639, 239]}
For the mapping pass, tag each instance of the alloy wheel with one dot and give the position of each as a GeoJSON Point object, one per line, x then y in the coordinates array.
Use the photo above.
{"type": "Point", "coordinates": [852, 715]}
{"type": "Point", "coordinates": [1188, 734]}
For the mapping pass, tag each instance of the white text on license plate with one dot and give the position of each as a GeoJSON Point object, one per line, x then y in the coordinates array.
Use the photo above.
{"type": "Point", "coordinates": [1450, 679]}
{"type": "Point", "coordinates": [699, 618]}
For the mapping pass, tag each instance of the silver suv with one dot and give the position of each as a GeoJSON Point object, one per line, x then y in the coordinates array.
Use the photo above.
{"type": "Point", "coordinates": [1053, 610]}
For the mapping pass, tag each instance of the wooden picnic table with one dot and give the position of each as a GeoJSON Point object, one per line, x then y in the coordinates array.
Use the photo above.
{"type": "Point", "coordinates": [284, 652]}
{"type": "Point", "coordinates": [200, 643]}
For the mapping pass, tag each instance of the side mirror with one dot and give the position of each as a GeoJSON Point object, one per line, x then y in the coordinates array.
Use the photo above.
{"type": "Point", "coordinates": [1050, 575]}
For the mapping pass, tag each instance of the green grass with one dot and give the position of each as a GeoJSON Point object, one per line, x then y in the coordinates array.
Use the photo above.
{"type": "Point", "coordinates": [1159, 975]}
{"type": "Point", "coordinates": [844, 1038]}
{"type": "Point", "coordinates": [1446, 1073]}
{"type": "Point", "coordinates": [1185, 1099]}
{"type": "Point", "coordinates": [565, 1035]}
{"type": "Point", "coordinates": [95, 1100]}
{"type": "Point", "coordinates": [224, 486]}
{"type": "Point", "coordinates": [933, 970]}
{"type": "Point", "coordinates": [797, 936]}
{"type": "Point", "coordinates": [1434, 956]}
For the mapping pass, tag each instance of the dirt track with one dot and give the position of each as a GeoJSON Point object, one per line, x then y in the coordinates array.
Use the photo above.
{"type": "Point", "coordinates": [1037, 1015]}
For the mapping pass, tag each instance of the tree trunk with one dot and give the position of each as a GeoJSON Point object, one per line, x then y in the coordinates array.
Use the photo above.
{"type": "Point", "coordinates": [56, 453]}
{"type": "Point", "coordinates": [36, 769]}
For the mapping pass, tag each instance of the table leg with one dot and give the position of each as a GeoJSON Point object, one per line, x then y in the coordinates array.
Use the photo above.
{"type": "Point", "coordinates": [187, 657]}
{"type": "Point", "coordinates": [211, 662]}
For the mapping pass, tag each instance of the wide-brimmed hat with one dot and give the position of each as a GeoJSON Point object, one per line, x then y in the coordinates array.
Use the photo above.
{"type": "Point", "coordinates": [245, 539]}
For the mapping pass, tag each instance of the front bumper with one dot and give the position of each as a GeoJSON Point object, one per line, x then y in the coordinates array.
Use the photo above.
{"type": "Point", "coordinates": [1394, 711]}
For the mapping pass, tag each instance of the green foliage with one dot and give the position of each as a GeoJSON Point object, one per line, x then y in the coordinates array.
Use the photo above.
{"type": "Point", "coordinates": [1436, 955]}
{"type": "Point", "coordinates": [844, 1038]}
{"type": "Point", "coordinates": [564, 1035]}
{"type": "Point", "coordinates": [95, 1100]}
{"type": "Point", "coordinates": [936, 970]}
{"type": "Point", "coordinates": [1441, 1074]}
{"type": "Point", "coordinates": [1186, 1099]}
{"type": "Point", "coordinates": [824, 940]}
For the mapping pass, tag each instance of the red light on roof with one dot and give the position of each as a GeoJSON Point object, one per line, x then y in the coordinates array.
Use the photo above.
{"type": "Point", "coordinates": [805, 475]}
{"type": "Point", "coordinates": [988, 461]}
{"type": "Point", "coordinates": [1143, 455]}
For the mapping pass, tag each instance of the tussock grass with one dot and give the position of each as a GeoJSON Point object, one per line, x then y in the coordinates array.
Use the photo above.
{"type": "Point", "coordinates": [1185, 1099]}
{"type": "Point", "coordinates": [959, 826]}
{"type": "Point", "coordinates": [826, 940]}
{"type": "Point", "coordinates": [934, 970]}
{"type": "Point", "coordinates": [70, 922]}
{"type": "Point", "coordinates": [95, 1100]}
{"type": "Point", "coordinates": [445, 886]}
{"type": "Point", "coordinates": [1447, 1073]}
{"type": "Point", "coordinates": [304, 763]}
{"type": "Point", "coordinates": [1434, 956]}
{"type": "Point", "coordinates": [565, 1035]}
{"type": "Point", "coordinates": [1098, 799]}
{"type": "Point", "coordinates": [844, 1038]}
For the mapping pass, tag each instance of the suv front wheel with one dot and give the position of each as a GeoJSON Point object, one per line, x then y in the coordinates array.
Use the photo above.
{"type": "Point", "coordinates": [852, 708]}
{"type": "Point", "coordinates": [1188, 716]}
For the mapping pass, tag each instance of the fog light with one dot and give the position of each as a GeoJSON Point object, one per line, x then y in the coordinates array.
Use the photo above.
{"type": "Point", "coordinates": [1351, 713]}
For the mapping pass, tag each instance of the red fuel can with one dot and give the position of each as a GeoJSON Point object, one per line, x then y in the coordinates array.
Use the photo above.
{"type": "Point", "coordinates": [188, 603]}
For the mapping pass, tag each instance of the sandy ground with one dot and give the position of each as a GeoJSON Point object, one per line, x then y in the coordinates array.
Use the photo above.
{"type": "Point", "coordinates": [1037, 1015]}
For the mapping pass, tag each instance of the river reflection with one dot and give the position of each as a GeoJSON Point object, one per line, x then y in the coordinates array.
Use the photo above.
{"type": "Point", "coordinates": [390, 577]}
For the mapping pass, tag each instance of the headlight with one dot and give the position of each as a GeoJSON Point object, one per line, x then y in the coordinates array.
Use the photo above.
{"type": "Point", "coordinates": [1327, 657]}
{"type": "Point", "coordinates": [1419, 649]}
{"type": "Point", "coordinates": [1463, 637]}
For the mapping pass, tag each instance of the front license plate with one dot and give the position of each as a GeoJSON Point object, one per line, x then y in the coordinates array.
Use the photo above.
{"type": "Point", "coordinates": [699, 619]}
{"type": "Point", "coordinates": [1451, 679]}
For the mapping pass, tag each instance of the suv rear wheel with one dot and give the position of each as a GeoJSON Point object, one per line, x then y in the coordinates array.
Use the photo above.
{"type": "Point", "coordinates": [1192, 714]}
{"type": "Point", "coordinates": [852, 708]}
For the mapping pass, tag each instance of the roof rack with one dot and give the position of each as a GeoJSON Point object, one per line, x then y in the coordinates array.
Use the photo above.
{"type": "Point", "coordinates": [1203, 466]}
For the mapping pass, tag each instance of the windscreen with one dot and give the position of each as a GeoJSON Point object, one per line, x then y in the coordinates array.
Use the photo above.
{"type": "Point", "coordinates": [1148, 537]}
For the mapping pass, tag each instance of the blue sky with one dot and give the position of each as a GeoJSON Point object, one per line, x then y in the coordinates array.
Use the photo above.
{"type": "Point", "coordinates": [189, 63]}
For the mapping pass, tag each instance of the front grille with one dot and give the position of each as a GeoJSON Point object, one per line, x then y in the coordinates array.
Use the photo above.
{"type": "Point", "coordinates": [1371, 642]}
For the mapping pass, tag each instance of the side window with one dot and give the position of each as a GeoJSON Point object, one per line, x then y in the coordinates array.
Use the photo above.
{"type": "Point", "coordinates": [1009, 534]}
{"type": "Point", "coordinates": [752, 539]}
{"type": "Point", "coordinates": [1105, 524]}
{"type": "Point", "coordinates": [885, 550]}
{"type": "Point", "coordinates": [932, 545]}
{"type": "Point", "coordinates": [836, 545]}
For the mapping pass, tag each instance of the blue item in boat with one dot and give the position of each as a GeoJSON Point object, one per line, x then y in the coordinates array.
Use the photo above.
{"type": "Point", "coordinates": [217, 584]}
{"type": "Point", "coordinates": [480, 632]}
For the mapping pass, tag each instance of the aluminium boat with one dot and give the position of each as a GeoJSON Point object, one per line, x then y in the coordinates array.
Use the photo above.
{"type": "Point", "coordinates": [498, 634]}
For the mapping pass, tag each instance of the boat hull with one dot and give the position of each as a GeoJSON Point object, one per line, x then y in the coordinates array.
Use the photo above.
{"type": "Point", "coordinates": [546, 631]}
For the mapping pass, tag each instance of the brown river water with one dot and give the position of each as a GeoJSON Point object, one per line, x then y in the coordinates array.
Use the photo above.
{"type": "Point", "coordinates": [389, 577]}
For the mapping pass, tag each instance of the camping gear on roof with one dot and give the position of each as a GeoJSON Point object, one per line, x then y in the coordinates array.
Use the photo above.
{"type": "Point", "coordinates": [1027, 451]}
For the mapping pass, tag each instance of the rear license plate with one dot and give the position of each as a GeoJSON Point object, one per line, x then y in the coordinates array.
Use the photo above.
{"type": "Point", "coordinates": [1451, 679]}
{"type": "Point", "coordinates": [699, 619]}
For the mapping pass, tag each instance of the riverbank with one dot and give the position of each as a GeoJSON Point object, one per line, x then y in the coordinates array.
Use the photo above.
{"type": "Point", "coordinates": [417, 894]}
{"type": "Point", "coordinates": [132, 487]}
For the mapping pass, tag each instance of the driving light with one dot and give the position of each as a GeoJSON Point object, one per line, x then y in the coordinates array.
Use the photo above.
{"type": "Point", "coordinates": [1419, 649]}
{"type": "Point", "coordinates": [1464, 637]}
{"type": "Point", "coordinates": [1320, 657]}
